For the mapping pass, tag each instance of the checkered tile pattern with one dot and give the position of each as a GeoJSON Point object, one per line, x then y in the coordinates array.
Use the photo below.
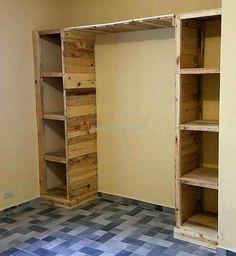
{"type": "Point", "coordinates": [97, 228]}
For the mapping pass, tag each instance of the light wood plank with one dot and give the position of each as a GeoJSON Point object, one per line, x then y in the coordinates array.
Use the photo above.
{"type": "Point", "coordinates": [80, 80]}
{"type": "Point", "coordinates": [192, 71]}
{"type": "Point", "coordinates": [201, 125]}
{"type": "Point", "coordinates": [128, 25]}
{"type": "Point", "coordinates": [54, 116]}
{"type": "Point", "coordinates": [201, 14]}
{"type": "Point", "coordinates": [51, 74]}
{"type": "Point", "coordinates": [39, 111]}
{"type": "Point", "coordinates": [59, 157]}
{"type": "Point", "coordinates": [201, 177]}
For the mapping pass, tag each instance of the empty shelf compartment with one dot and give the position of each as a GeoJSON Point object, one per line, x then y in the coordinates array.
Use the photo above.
{"type": "Point", "coordinates": [59, 192]}
{"type": "Point", "coordinates": [201, 228]}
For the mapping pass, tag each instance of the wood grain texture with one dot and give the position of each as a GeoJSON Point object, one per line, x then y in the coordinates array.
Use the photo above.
{"type": "Point", "coordinates": [201, 177]}
{"type": "Point", "coordinates": [39, 111]}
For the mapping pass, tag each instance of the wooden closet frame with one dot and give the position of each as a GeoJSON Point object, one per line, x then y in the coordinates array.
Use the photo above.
{"type": "Point", "coordinates": [77, 57]}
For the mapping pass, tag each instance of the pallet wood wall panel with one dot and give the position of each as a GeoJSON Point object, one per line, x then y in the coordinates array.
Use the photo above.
{"type": "Point", "coordinates": [81, 80]}
{"type": "Point", "coordinates": [82, 145]}
{"type": "Point", "coordinates": [189, 201]}
{"type": "Point", "coordinates": [190, 144]}
{"type": "Point", "coordinates": [80, 105]}
{"type": "Point", "coordinates": [190, 104]}
{"type": "Point", "coordinates": [82, 125]}
{"type": "Point", "coordinates": [82, 175]}
{"type": "Point", "coordinates": [190, 48]}
{"type": "Point", "coordinates": [79, 65]}
{"type": "Point", "coordinates": [79, 60]}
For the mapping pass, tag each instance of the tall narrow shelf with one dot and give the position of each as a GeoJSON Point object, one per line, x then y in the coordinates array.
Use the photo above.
{"type": "Point", "coordinates": [197, 126]}
{"type": "Point", "coordinates": [66, 116]}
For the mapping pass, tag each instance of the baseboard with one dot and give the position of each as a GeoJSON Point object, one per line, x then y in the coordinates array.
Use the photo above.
{"type": "Point", "coordinates": [100, 195]}
{"type": "Point", "coordinates": [125, 200]}
{"type": "Point", "coordinates": [225, 252]}
{"type": "Point", "coordinates": [19, 207]}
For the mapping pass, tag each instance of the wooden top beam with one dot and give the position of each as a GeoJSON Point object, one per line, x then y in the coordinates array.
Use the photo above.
{"type": "Point", "coordinates": [128, 25]}
{"type": "Point", "coordinates": [200, 14]}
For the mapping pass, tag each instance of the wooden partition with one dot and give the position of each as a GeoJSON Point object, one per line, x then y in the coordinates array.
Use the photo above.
{"type": "Point", "coordinates": [198, 37]}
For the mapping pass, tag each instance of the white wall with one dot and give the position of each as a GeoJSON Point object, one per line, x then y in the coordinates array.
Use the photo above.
{"type": "Point", "coordinates": [227, 192]}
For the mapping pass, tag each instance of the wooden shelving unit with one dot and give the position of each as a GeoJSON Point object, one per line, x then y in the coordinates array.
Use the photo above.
{"type": "Point", "coordinates": [66, 112]}
{"type": "Point", "coordinates": [198, 37]}
{"type": "Point", "coordinates": [66, 107]}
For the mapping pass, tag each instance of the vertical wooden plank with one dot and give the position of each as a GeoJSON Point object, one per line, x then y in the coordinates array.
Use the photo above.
{"type": "Point", "coordinates": [38, 94]}
{"type": "Point", "coordinates": [177, 106]}
{"type": "Point", "coordinates": [62, 33]}
{"type": "Point", "coordinates": [80, 114]}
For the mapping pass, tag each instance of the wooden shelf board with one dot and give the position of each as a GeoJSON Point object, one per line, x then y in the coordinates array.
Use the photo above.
{"type": "Point", "coordinates": [201, 125]}
{"type": "Point", "coordinates": [51, 74]}
{"type": "Point", "coordinates": [58, 157]}
{"type": "Point", "coordinates": [192, 71]}
{"type": "Point", "coordinates": [200, 228]}
{"type": "Point", "coordinates": [201, 177]}
{"type": "Point", "coordinates": [155, 22]}
{"type": "Point", "coordinates": [49, 32]}
{"type": "Point", "coordinates": [59, 116]}
{"type": "Point", "coordinates": [58, 192]}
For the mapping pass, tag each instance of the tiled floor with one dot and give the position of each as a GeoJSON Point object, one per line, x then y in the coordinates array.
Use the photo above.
{"type": "Point", "coordinates": [98, 228]}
